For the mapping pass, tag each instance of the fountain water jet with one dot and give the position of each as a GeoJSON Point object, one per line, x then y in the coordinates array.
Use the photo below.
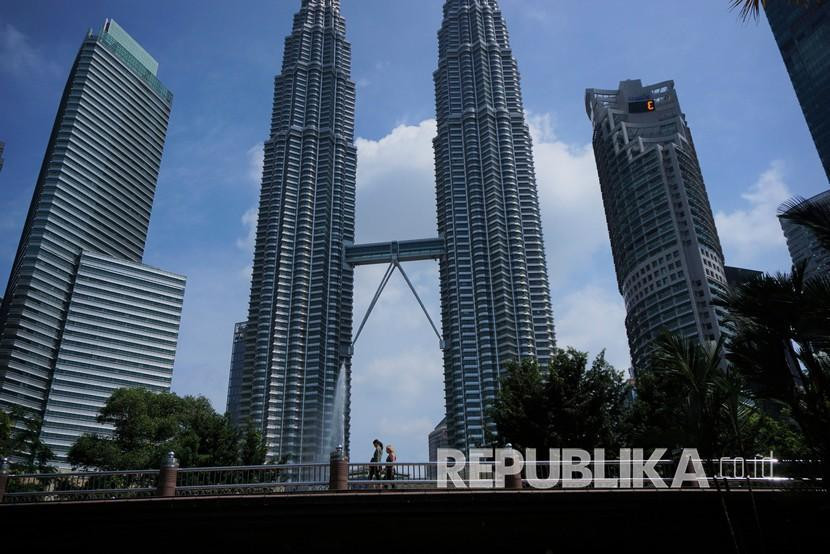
{"type": "Point", "coordinates": [337, 424]}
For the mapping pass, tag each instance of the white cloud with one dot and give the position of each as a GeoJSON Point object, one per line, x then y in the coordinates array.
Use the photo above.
{"type": "Point", "coordinates": [249, 221]}
{"type": "Point", "coordinates": [19, 57]}
{"type": "Point", "coordinates": [404, 377]}
{"type": "Point", "coordinates": [752, 235]}
{"type": "Point", "coordinates": [406, 149]}
{"type": "Point", "coordinates": [396, 185]}
{"type": "Point", "coordinates": [256, 157]}
{"type": "Point", "coordinates": [573, 219]}
{"type": "Point", "coordinates": [591, 319]}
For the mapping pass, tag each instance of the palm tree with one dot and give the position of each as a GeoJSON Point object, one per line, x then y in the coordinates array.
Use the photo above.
{"type": "Point", "coordinates": [712, 407]}
{"type": "Point", "coordinates": [811, 214]}
{"type": "Point", "coordinates": [749, 9]}
{"type": "Point", "coordinates": [781, 345]}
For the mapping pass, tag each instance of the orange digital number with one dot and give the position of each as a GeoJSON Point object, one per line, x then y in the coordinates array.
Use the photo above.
{"type": "Point", "coordinates": [650, 105]}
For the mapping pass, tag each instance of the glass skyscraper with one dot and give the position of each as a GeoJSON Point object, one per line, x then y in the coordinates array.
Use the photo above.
{"type": "Point", "coordinates": [233, 404]}
{"type": "Point", "coordinates": [666, 249]}
{"type": "Point", "coordinates": [298, 333]}
{"type": "Point", "coordinates": [495, 296]}
{"type": "Point", "coordinates": [81, 315]}
{"type": "Point", "coordinates": [803, 36]}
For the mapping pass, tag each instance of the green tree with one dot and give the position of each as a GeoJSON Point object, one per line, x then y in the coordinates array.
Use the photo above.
{"type": "Point", "coordinates": [148, 425]}
{"type": "Point", "coordinates": [695, 368]}
{"type": "Point", "coordinates": [20, 438]}
{"type": "Point", "coordinates": [691, 397]}
{"type": "Point", "coordinates": [520, 411]}
{"type": "Point", "coordinates": [252, 450]}
{"type": "Point", "coordinates": [565, 404]}
{"type": "Point", "coordinates": [781, 345]}
{"type": "Point", "coordinates": [6, 433]}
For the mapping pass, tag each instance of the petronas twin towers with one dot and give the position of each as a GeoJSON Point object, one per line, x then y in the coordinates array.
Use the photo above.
{"type": "Point", "coordinates": [495, 296]}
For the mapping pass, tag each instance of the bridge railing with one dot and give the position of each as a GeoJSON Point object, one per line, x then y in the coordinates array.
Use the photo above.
{"type": "Point", "coordinates": [268, 479]}
{"type": "Point", "coordinates": [398, 475]}
{"type": "Point", "coordinates": [62, 487]}
{"type": "Point", "coordinates": [728, 473]}
{"type": "Point", "coordinates": [340, 475]}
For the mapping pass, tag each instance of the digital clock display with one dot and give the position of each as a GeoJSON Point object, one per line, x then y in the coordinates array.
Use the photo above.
{"type": "Point", "coordinates": [642, 106]}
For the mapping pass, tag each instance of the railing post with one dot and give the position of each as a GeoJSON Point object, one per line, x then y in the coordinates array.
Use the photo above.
{"type": "Point", "coordinates": [338, 470]}
{"type": "Point", "coordinates": [4, 477]}
{"type": "Point", "coordinates": [512, 481]}
{"type": "Point", "coordinates": [167, 476]}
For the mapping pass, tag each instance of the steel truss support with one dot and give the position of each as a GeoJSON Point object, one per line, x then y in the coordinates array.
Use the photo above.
{"type": "Point", "coordinates": [386, 276]}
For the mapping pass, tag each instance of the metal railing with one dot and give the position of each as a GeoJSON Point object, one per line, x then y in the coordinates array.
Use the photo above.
{"type": "Point", "coordinates": [269, 479]}
{"type": "Point", "coordinates": [62, 487]}
{"type": "Point", "coordinates": [397, 475]}
{"type": "Point", "coordinates": [170, 481]}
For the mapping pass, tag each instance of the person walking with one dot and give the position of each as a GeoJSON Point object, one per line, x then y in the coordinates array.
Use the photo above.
{"type": "Point", "coordinates": [391, 458]}
{"type": "Point", "coordinates": [377, 457]}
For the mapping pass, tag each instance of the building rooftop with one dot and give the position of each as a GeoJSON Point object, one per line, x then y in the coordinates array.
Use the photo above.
{"type": "Point", "coordinates": [124, 39]}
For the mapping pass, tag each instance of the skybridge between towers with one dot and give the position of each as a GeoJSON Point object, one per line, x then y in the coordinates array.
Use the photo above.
{"type": "Point", "coordinates": [394, 253]}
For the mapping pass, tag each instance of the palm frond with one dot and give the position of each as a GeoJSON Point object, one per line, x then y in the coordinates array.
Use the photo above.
{"type": "Point", "coordinates": [812, 214]}
{"type": "Point", "coordinates": [748, 9]}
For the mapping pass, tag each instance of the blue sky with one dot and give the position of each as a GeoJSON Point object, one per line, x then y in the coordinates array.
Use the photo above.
{"type": "Point", "coordinates": [220, 58]}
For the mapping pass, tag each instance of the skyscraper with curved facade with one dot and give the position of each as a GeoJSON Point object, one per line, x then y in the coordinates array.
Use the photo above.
{"type": "Point", "coordinates": [82, 316]}
{"type": "Point", "coordinates": [298, 332]}
{"type": "Point", "coordinates": [666, 249]}
{"type": "Point", "coordinates": [802, 32]}
{"type": "Point", "coordinates": [495, 297]}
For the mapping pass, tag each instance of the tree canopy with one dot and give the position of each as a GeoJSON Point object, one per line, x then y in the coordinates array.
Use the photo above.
{"type": "Point", "coordinates": [20, 438]}
{"type": "Point", "coordinates": [566, 403]}
{"type": "Point", "coordinates": [781, 346]}
{"type": "Point", "coordinates": [148, 425]}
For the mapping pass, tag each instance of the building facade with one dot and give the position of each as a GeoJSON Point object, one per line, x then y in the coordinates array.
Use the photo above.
{"type": "Point", "coordinates": [233, 403]}
{"type": "Point", "coordinates": [495, 297]}
{"type": "Point", "coordinates": [438, 438]}
{"type": "Point", "coordinates": [803, 37]}
{"type": "Point", "coordinates": [737, 276]}
{"type": "Point", "coordinates": [298, 335]}
{"type": "Point", "coordinates": [803, 245]}
{"type": "Point", "coordinates": [81, 315]}
{"type": "Point", "coordinates": [667, 254]}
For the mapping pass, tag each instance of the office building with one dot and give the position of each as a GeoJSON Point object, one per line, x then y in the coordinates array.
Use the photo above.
{"type": "Point", "coordinates": [803, 36]}
{"type": "Point", "coordinates": [235, 377]}
{"type": "Point", "coordinates": [804, 246]}
{"type": "Point", "coordinates": [667, 254]}
{"type": "Point", "coordinates": [495, 297]}
{"type": "Point", "coordinates": [298, 334]}
{"type": "Point", "coordinates": [737, 276]}
{"type": "Point", "coordinates": [81, 315]}
{"type": "Point", "coordinates": [438, 438]}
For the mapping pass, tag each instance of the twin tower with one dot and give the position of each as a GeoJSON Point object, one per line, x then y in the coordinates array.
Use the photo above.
{"type": "Point", "coordinates": [495, 297]}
